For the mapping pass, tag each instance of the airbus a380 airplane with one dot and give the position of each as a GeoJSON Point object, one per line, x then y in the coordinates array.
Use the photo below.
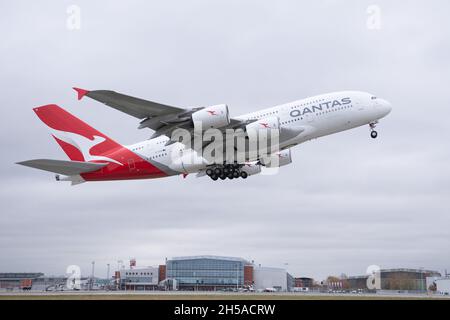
{"type": "Point", "coordinates": [96, 157]}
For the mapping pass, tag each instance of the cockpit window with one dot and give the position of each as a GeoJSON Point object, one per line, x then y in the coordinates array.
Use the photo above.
{"type": "Point", "coordinates": [373, 98]}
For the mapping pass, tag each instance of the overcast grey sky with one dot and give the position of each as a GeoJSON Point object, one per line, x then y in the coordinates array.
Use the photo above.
{"type": "Point", "coordinates": [346, 202]}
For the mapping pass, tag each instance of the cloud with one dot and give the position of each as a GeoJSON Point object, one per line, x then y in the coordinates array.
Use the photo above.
{"type": "Point", "coordinates": [345, 203]}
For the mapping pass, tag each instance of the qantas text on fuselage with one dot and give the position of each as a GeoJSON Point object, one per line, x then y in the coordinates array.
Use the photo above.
{"type": "Point", "coordinates": [320, 107]}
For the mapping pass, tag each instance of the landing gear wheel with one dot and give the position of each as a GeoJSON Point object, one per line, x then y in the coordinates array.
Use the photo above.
{"type": "Point", "coordinates": [230, 176]}
{"type": "Point", "coordinates": [209, 172]}
{"type": "Point", "coordinates": [217, 171]}
{"type": "Point", "coordinates": [373, 133]}
{"type": "Point", "coordinates": [222, 177]}
{"type": "Point", "coordinates": [236, 174]}
{"type": "Point", "coordinates": [214, 177]}
{"type": "Point", "coordinates": [226, 170]}
{"type": "Point", "coordinates": [244, 175]}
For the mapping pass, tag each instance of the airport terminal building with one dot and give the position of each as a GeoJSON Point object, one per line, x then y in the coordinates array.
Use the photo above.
{"type": "Point", "coordinates": [205, 273]}
{"type": "Point", "coordinates": [35, 281]}
{"type": "Point", "coordinates": [225, 273]}
{"type": "Point", "coordinates": [209, 272]}
{"type": "Point", "coordinates": [10, 280]}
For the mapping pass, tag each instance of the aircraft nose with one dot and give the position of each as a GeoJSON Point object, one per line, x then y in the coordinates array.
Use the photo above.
{"type": "Point", "coordinates": [385, 106]}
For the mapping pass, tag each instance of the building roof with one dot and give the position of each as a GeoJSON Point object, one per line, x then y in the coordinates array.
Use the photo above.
{"type": "Point", "coordinates": [20, 275]}
{"type": "Point", "coordinates": [410, 270]}
{"type": "Point", "coordinates": [210, 257]}
{"type": "Point", "coordinates": [139, 268]}
{"type": "Point", "coordinates": [398, 270]}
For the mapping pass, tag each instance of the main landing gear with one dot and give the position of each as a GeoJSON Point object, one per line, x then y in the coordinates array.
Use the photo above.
{"type": "Point", "coordinates": [373, 133]}
{"type": "Point", "coordinates": [230, 171]}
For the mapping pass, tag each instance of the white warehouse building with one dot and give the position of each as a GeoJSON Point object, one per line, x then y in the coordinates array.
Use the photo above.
{"type": "Point", "coordinates": [443, 285]}
{"type": "Point", "coordinates": [272, 278]}
{"type": "Point", "coordinates": [137, 278]}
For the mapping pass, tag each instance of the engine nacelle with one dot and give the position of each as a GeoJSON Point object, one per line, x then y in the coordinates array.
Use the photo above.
{"type": "Point", "coordinates": [264, 124]}
{"type": "Point", "coordinates": [278, 159]}
{"type": "Point", "coordinates": [211, 117]}
{"type": "Point", "coordinates": [251, 169]}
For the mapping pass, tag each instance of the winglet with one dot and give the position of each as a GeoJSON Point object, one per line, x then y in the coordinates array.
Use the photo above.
{"type": "Point", "coordinates": [81, 92]}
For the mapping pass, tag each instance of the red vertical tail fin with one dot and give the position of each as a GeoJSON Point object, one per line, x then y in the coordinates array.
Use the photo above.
{"type": "Point", "coordinates": [79, 141]}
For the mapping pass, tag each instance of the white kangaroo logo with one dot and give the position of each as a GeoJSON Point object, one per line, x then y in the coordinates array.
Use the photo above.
{"type": "Point", "coordinates": [83, 144]}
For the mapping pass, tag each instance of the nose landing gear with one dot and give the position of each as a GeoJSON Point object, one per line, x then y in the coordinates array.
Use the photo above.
{"type": "Point", "coordinates": [373, 133]}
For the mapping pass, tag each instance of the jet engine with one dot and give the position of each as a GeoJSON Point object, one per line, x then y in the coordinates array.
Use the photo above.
{"type": "Point", "coordinates": [278, 159]}
{"type": "Point", "coordinates": [251, 169]}
{"type": "Point", "coordinates": [211, 117]}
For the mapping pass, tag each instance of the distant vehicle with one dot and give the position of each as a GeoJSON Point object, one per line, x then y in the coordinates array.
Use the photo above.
{"type": "Point", "coordinates": [300, 289]}
{"type": "Point", "coordinates": [60, 287]}
{"type": "Point", "coordinates": [270, 290]}
{"type": "Point", "coordinates": [26, 284]}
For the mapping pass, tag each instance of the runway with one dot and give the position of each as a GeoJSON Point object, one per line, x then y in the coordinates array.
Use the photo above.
{"type": "Point", "coordinates": [180, 295]}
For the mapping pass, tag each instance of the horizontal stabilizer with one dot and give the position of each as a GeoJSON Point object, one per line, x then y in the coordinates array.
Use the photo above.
{"type": "Point", "coordinates": [68, 168]}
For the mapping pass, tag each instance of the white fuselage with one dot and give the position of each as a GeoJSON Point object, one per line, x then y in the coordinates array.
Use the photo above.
{"type": "Point", "coordinates": [311, 117]}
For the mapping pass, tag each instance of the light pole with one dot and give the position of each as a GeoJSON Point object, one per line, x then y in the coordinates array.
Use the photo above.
{"type": "Point", "coordinates": [107, 275]}
{"type": "Point", "coordinates": [92, 275]}
{"type": "Point", "coordinates": [422, 275]}
{"type": "Point", "coordinates": [237, 276]}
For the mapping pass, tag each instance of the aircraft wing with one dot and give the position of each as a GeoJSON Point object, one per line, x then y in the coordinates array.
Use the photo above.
{"type": "Point", "coordinates": [161, 118]}
{"type": "Point", "coordinates": [135, 107]}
